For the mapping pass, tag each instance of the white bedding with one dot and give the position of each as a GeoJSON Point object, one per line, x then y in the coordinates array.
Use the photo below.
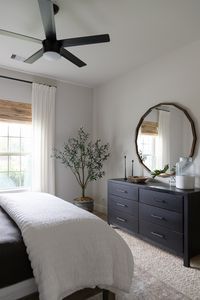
{"type": "Point", "coordinates": [69, 248]}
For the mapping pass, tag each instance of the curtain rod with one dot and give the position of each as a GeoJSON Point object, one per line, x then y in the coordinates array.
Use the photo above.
{"type": "Point", "coordinates": [22, 80]}
{"type": "Point", "coordinates": [162, 109]}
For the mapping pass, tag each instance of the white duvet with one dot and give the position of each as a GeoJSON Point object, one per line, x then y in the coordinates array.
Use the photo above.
{"type": "Point", "coordinates": [69, 248]}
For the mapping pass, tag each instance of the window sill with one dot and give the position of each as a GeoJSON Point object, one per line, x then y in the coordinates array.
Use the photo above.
{"type": "Point", "coordinates": [15, 190]}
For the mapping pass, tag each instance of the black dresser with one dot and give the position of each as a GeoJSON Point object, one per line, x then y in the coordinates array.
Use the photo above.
{"type": "Point", "coordinates": [159, 213]}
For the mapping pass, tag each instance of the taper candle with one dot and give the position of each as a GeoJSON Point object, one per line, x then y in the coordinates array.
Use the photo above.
{"type": "Point", "coordinates": [132, 168]}
{"type": "Point", "coordinates": [125, 178]}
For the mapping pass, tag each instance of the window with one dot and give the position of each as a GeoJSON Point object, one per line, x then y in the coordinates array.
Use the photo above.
{"type": "Point", "coordinates": [15, 158]}
{"type": "Point", "coordinates": [147, 150]}
{"type": "Point", "coordinates": [147, 141]}
{"type": "Point", "coordinates": [15, 145]}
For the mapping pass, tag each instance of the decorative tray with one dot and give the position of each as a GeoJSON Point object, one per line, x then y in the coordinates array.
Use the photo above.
{"type": "Point", "coordinates": [137, 179]}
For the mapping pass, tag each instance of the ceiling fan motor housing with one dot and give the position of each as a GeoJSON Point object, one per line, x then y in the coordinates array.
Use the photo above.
{"type": "Point", "coordinates": [51, 46]}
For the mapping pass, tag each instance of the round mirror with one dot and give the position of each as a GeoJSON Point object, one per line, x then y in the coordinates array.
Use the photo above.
{"type": "Point", "coordinates": [164, 133]}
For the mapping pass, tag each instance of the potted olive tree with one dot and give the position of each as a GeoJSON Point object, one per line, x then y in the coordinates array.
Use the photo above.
{"type": "Point", "coordinates": [85, 159]}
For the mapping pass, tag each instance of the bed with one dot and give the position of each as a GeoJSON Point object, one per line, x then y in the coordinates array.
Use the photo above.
{"type": "Point", "coordinates": [13, 257]}
{"type": "Point", "coordinates": [16, 273]}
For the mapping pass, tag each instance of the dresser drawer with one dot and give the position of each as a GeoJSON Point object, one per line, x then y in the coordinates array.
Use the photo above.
{"type": "Point", "coordinates": [170, 219]}
{"type": "Point", "coordinates": [162, 235]}
{"type": "Point", "coordinates": [123, 190]}
{"type": "Point", "coordinates": [123, 220]}
{"type": "Point", "coordinates": [123, 205]}
{"type": "Point", "coordinates": [163, 200]}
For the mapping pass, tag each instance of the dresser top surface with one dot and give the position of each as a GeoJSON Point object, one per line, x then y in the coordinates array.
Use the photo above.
{"type": "Point", "coordinates": [158, 186]}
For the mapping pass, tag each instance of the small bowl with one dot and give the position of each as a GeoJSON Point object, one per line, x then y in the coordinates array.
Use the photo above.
{"type": "Point", "coordinates": [137, 179]}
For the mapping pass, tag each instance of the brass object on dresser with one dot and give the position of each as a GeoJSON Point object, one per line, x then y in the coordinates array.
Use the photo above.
{"type": "Point", "coordinates": [158, 213]}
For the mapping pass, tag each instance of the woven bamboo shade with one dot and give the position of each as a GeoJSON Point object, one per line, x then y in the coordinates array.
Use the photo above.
{"type": "Point", "coordinates": [11, 111]}
{"type": "Point", "coordinates": [149, 128]}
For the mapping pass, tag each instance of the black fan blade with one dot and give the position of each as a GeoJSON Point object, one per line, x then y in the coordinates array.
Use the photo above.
{"type": "Point", "coordinates": [85, 40]}
{"type": "Point", "coordinates": [34, 57]}
{"type": "Point", "coordinates": [47, 15]}
{"type": "Point", "coordinates": [19, 36]}
{"type": "Point", "coordinates": [75, 60]}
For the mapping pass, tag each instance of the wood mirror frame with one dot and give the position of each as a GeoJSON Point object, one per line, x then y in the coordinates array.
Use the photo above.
{"type": "Point", "coordinates": [193, 130]}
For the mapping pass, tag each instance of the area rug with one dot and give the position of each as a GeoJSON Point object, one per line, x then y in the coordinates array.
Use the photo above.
{"type": "Point", "coordinates": [160, 275]}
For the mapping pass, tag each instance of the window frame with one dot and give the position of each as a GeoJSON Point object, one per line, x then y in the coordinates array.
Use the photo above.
{"type": "Point", "coordinates": [19, 172]}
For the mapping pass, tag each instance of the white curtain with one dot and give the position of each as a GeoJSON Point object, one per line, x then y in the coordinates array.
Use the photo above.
{"type": "Point", "coordinates": [43, 120]}
{"type": "Point", "coordinates": [163, 140]}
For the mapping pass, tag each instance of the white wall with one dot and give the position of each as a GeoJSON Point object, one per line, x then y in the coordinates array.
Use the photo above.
{"type": "Point", "coordinates": [16, 90]}
{"type": "Point", "coordinates": [119, 104]}
{"type": "Point", "coordinates": [73, 110]}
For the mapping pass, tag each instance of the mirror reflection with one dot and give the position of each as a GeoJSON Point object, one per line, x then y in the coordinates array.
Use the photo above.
{"type": "Point", "coordinates": [164, 135]}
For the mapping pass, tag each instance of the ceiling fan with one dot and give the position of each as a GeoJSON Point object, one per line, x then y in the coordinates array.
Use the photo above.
{"type": "Point", "coordinates": [53, 49]}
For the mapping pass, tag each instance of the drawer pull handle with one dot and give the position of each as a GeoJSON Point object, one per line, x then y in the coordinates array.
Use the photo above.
{"type": "Point", "coordinates": [157, 234]}
{"type": "Point", "coordinates": [160, 201]}
{"type": "Point", "coordinates": [120, 219]}
{"type": "Point", "coordinates": [120, 204]}
{"type": "Point", "coordinates": [157, 217]}
{"type": "Point", "coordinates": [122, 191]}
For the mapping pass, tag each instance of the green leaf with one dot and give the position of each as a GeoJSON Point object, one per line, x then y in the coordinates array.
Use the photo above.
{"type": "Point", "coordinates": [83, 157]}
{"type": "Point", "coordinates": [158, 172]}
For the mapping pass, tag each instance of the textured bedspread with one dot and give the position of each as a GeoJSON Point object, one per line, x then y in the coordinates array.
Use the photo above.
{"type": "Point", "coordinates": [69, 248]}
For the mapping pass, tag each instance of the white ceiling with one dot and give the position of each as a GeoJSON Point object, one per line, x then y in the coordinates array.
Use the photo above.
{"type": "Point", "coordinates": [140, 31]}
